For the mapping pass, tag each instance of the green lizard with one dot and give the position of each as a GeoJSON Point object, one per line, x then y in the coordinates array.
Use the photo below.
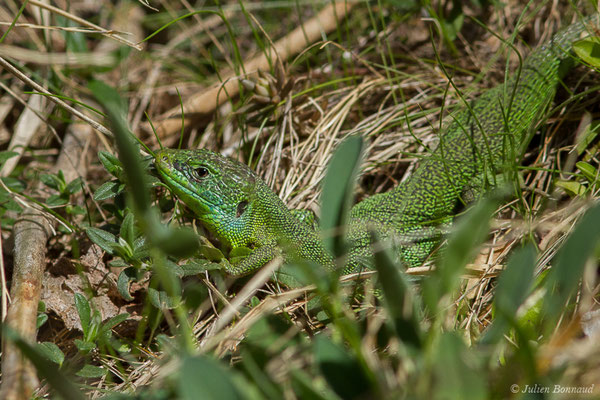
{"type": "Point", "coordinates": [234, 204]}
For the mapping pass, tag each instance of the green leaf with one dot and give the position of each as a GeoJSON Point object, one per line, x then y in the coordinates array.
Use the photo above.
{"type": "Point", "coordinates": [211, 253]}
{"type": "Point", "coordinates": [252, 360]}
{"type": "Point", "coordinates": [46, 369]}
{"type": "Point", "coordinates": [52, 181]}
{"type": "Point", "coordinates": [85, 312]}
{"type": "Point", "coordinates": [161, 299]}
{"type": "Point", "coordinates": [305, 388]}
{"type": "Point", "coordinates": [102, 238]}
{"type": "Point", "coordinates": [123, 249]}
{"type": "Point", "coordinates": [116, 109]}
{"type": "Point", "coordinates": [180, 242]}
{"type": "Point", "coordinates": [124, 280]}
{"type": "Point", "coordinates": [95, 323]}
{"type": "Point", "coordinates": [588, 50]}
{"type": "Point", "coordinates": [240, 252]}
{"type": "Point", "coordinates": [114, 321]}
{"type": "Point", "coordinates": [514, 285]}
{"type": "Point", "coordinates": [76, 210]}
{"type": "Point", "coordinates": [572, 188]}
{"type": "Point", "coordinates": [83, 346]}
{"type": "Point", "coordinates": [141, 248]}
{"type": "Point", "coordinates": [128, 229]}
{"type": "Point", "coordinates": [13, 184]}
{"type": "Point", "coordinates": [342, 372]}
{"type": "Point", "coordinates": [197, 266]}
{"type": "Point", "coordinates": [108, 190]}
{"type": "Point", "coordinates": [590, 173]}
{"type": "Point", "coordinates": [217, 382]}
{"type": "Point", "coordinates": [404, 6]}
{"type": "Point", "coordinates": [563, 278]}
{"type": "Point", "coordinates": [11, 205]}
{"type": "Point", "coordinates": [6, 154]}
{"type": "Point", "coordinates": [52, 352]}
{"type": "Point", "coordinates": [41, 320]}
{"type": "Point", "coordinates": [111, 163]}
{"type": "Point", "coordinates": [174, 268]}
{"type": "Point", "coordinates": [588, 135]}
{"type": "Point", "coordinates": [266, 331]}
{"type": "Point", "coordinates": [75, 41]}
{"type": "Point", "coordinates": [108, 325]}
{"type": "Point", "coordinates": [338, 189]}
{"type": "Point", "coordinates": [457, 370]}
{"type": "Point", "coordinates": [400, 300]}
{"type": "Point", "coordinates": [118, 263]}
{"type": "Point", "coordinates": [92, 371]}
{"type": "Point", "coordinates": [237, 254]}
{"type": "Point", "coordinates": [469, 232]}
{"type": "Point", "coordinates": [74, 186]}
{"type": "Point", "coordinates": [56, 200]}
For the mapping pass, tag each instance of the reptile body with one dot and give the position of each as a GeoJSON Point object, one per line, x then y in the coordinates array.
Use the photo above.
{"type": "Point", "coordinates": [234, 204]}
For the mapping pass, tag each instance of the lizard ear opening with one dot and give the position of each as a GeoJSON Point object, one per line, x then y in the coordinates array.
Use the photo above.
{"type": "Point", "coordinates": [241, 208]}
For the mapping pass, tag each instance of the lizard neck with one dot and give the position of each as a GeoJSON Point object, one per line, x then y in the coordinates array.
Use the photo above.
{"type": "Point", "coordinates": [275, 222]}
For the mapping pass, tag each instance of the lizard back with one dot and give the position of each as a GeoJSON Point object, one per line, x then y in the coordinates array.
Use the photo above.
{"type": "Point", "coordinates": [484, 135]}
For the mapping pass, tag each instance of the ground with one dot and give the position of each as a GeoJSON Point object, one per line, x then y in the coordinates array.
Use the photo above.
{"type": "Point", "coordinates": [390, 71]}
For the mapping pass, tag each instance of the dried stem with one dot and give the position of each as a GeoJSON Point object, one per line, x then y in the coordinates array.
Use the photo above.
{"type": "Point", "coordinates": [31, 232]}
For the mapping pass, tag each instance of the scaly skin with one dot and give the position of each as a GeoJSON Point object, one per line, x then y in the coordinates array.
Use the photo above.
{"type": "Point", "coordinates": [241, 210]}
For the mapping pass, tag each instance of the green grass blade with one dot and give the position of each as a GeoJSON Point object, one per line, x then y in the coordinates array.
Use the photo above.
{"type": "Point", "coordinates": [514, 285]}
{"type": "Point", "coordinates": [342, 371]}
{"type": "Point", "coordinates": [564, 277]}
{"type": "Point", "coordinates": [338, 189]}
{"type": "Point", "coordinates": [469, 233]}
{"type": "Point", "coordinates": [204, 378]}
{"type": "Point", "coordinates": [400, 300]}
{"type": "Point", "coordinates": [47, 369]}
{"type": "Point", "coordinates": [116, 109]}
{"type": "Point", "coordinates": [456, 370]}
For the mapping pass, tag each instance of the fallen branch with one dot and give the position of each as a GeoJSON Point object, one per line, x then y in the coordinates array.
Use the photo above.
{"type": "Point", "coordinates": [31, 232]}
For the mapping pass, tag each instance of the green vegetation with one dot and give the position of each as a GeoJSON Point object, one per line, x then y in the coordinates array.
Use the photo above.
{"type": "Point", "coordinates": [135, 302]}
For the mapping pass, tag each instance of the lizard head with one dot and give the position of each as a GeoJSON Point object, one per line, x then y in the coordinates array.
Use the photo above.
{"type": "Point", "coordinates": [219, 190]}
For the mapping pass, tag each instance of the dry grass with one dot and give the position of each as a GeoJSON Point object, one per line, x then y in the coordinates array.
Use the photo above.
{"type": "Point", "coordinates": [376, 75]}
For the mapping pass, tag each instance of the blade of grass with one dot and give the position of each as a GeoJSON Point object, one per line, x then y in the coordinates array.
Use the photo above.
{"type": "Point", "coordinates": [514, 285]}
{"type": "Point", "coordinates": [564, 277]}
{"type": "Point", "coordinates": [337, 194]}
{"type": "Point", "coordinates": [469, 233]}
{"type": "Point", "coordinates": [47, 369]}
{"type": "Point", "coordinates": [400, 300]}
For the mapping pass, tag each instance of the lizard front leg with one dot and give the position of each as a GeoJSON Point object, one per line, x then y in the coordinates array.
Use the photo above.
{"type": "Point", "coordinates": [249, 263]}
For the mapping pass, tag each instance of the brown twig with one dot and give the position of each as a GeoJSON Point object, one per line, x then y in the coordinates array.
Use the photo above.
{"type": "Point", "coordinates": [31, 232]}
{"type": "Point", "coordinates": [106, 32]}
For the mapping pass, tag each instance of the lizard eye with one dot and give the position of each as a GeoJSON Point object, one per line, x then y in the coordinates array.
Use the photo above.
{"type": "Point", "coordinates": [241, 208]}
{"type": "Point", "coordinates": [201, 172]}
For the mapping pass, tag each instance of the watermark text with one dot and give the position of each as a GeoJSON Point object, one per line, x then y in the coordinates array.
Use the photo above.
{"type": "Point", "coordinates": [535, 388]}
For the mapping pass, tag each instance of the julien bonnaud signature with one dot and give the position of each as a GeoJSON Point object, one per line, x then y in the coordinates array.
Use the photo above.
{"type": "Point", "coordinates": [535, 388]}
